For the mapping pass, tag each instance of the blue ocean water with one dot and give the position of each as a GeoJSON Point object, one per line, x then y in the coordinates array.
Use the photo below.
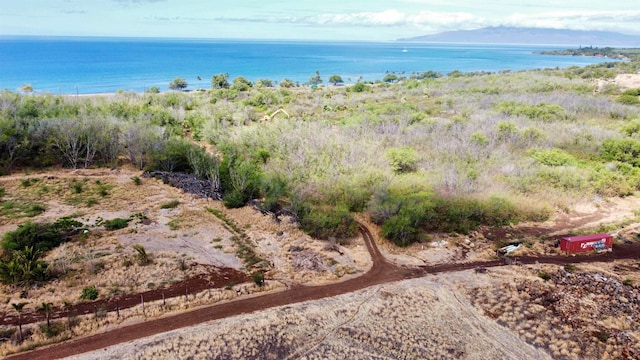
{"type": "Point", "coordinates": [68, 65]}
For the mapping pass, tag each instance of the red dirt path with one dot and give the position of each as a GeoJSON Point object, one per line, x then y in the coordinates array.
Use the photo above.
{"type": "Point", "coordinates": [381, 272]}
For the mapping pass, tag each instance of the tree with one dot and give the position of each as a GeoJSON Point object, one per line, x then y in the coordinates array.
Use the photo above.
{"type": "Point", "coordinates": [264, 83]}
{"type": "Point", "coordinates": [46, 308]}
{"type": "Point", "coordinates": [241, 84]}
{"type": "Point", "coordinates": [178, 84]}
{"type": "Point", "coordinates": [19, 307]}
{"type": "Point", "coordinates": [26, 89]}
{"type": "Point", "coordinates": [67, 305]}
{"type": "Point", "coordinates": [220, 81]}
{"type": "Point", "coordinates": [335, 79]}
{"type": "Point", "coordinates": [315, 80]}
{"type": "Point", "coordinates": [390, 77]}
{"type": "Point", "coordinates": [152, 90]}
{"type": "Point", "coordinates": [286, 83]}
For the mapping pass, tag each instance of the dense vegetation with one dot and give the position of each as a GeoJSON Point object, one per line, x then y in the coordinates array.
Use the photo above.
{"type": "Point", "coordinates": [419, 154]}
{"type": "Point", "coordinates": [609, 52]}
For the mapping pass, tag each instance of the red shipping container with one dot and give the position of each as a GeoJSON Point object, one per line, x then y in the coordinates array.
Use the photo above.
{"type": "Point", "coordinates": [575, 244]}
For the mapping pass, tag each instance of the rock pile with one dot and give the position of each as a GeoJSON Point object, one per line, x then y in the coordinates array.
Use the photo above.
{"type": "Point", "coordinates": [188, 183]}
{"type": "Point", "coordinates": [572, 315]}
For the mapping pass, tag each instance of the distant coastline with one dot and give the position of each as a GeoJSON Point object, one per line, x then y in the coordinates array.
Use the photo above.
{"type": "Point", "coordinates": [90, 66]}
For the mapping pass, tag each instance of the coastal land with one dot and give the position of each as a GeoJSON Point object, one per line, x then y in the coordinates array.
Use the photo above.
{"type": "Point", "coordinates": [249, 221]}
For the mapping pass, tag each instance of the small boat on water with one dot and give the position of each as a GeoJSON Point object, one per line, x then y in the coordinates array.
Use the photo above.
{"type": "Point", "coordinates": [405, 50]}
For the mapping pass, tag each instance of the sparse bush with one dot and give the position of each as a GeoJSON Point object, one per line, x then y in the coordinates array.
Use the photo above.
{"type": "Point", "coordinates": [136, 180]}
{"type": "Point", "coordinates": [52, 330]}
{"type": "Point", "coordinates": [543, 275]}
{"type": "Point", "coordinates": [77, 187]}
{"type": "Point", "coordinates": [553, 157]}
{"type": "Point", "coordinates": [603, 335]}
{"type": "Point", "coordinates": [141, 255]}
{"type": "Point", "coordinates": [627, 282]}
{"type": "Point", "coordinates": [116, 224]}
{"type": "Point", "coordinates": [570, 268]}
{"type": "Point", "coordinates": [258, 278]}
{"type": "Point", "coordinates": [170, 205]}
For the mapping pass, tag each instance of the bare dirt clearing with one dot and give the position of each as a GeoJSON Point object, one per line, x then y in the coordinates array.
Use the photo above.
{"type": "Point", "coordinates": [413, 319]}
{"type": "Point", "coordinates": [623, 81]}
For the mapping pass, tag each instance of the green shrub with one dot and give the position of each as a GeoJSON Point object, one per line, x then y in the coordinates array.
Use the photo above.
{"type": "Point", "coordinates": [402, 160]}
{"type": "Point", "coordinates": [2, 192]}
{"type": "Point", "coordinates": [540, 111]}
{"type": "Point", "coordinates": [628, 100]}
{"type": "Point", "coordinates": [327, 221]}
{"type": "Point", "coordinates": [234, 199]}
{"type": "Point", "coordinates": [401, 229]}
{"type": "Point", "coordinates": [627, 282]}
{"type": "Point", "coordinates": [89, 293]}
{"type": "Point", "coordinates": [35, 210]}
{"type": "Point", "coordinates": [136, 180]}
{"type": "Point", "coordinates": [40, 236]}
{"type": "Point", "coordinates": [52, 330]}
{"type": "Point", "coordinates": [116, 224]}
{"type": "Point", "coordinates": [258, 278]}
{"type": "Point", "coordinates": [553, 157]}
{"type": "Point", "coordinates": [626, 150]}
{"type": "Point", "coordinates": [358, 87]}
{"type": "Point", "coordinates": [77, 187]}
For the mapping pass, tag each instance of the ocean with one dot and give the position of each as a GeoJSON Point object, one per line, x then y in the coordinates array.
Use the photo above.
{"type": "Point", "coordinates": [70, 65]}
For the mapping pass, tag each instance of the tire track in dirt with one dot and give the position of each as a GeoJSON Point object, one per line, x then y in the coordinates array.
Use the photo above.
{"type": "Point", "coordinates": [381, 272]}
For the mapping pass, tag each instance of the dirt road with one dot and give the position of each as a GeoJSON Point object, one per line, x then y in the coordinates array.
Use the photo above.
{"type": "Point", "coordinates": [381, 272]}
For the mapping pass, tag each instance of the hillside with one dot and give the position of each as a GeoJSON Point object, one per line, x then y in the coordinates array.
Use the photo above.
{"type": "Point", "coordinates": [537, 36]}
{"type": "Point", "coordinates": [442, 169]}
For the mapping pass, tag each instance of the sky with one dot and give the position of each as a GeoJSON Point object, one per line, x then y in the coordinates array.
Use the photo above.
{"type": "Point", "coordinates": [366, 20]}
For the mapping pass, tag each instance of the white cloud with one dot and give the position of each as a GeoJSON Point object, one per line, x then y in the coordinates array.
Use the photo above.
{"type": "Point", "coordinates": [623, 21]}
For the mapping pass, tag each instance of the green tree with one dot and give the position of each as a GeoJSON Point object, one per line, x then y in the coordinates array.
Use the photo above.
{"type": "Point", "coordinates": [264, 83]}
{"type": "Point", "coordinates": [46, 308]}
{"type": "Point", "coordinates": [220, 81]}
{"type": "Point", "coordinates": [390, 78]}
{"type": "Point", "coordinates": [26, 89]}
{"type": "Point", "coordinates": [178, 84]}
{"type": "Point", "coordinates": [316, 79]}
{"type": "Point", "coordinates": [241, 84]}
{"type": "Point", "coordinates": [18, 308]}
{"type": "Point", "coordinates": [152, 90]}
{"type": "Point", "coordinates": [335, 79]}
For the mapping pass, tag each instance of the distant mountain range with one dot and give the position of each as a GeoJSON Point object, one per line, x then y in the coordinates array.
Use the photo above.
{"type": "Point", "coordinates": [530, 36]}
